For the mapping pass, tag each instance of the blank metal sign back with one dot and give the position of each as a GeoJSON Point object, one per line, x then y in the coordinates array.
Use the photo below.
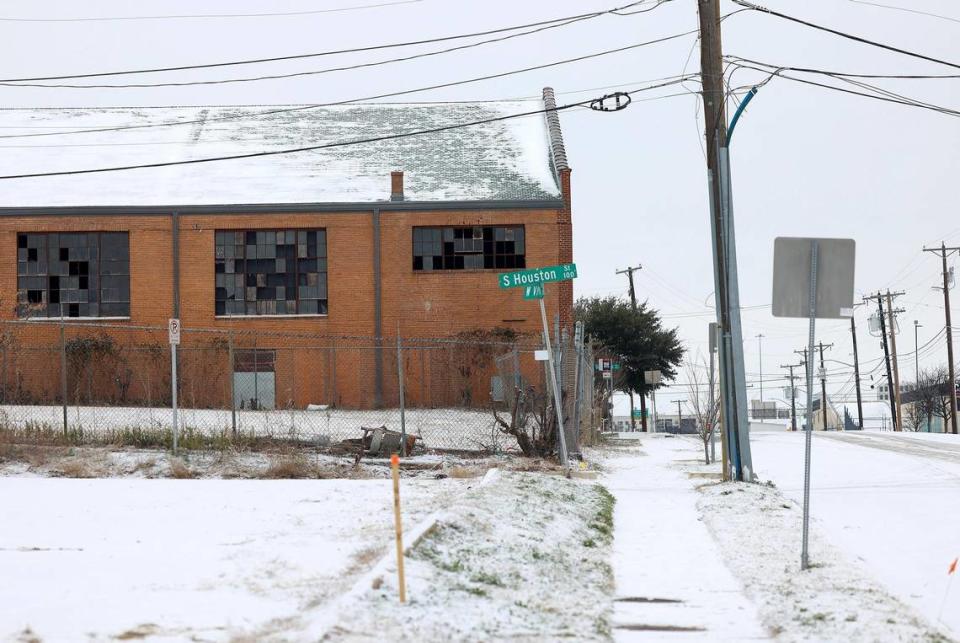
{"type": "Point", "coordinates": [791, 277]}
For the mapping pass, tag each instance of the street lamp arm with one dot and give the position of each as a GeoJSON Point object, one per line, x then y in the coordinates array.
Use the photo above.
{"type": "Point", "coordinates": [736, 116]}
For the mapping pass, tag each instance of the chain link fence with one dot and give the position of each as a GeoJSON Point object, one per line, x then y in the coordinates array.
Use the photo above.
{"type": "Point", "coordinates": [90, 383]}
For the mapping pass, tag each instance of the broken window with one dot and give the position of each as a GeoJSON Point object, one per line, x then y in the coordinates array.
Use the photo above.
{"type": "Point", "coordinates": [73, 274]}
{"type": "Point", "coordinates": [270, 272]}
{"type": "Point", "coordinates": [469, 248]}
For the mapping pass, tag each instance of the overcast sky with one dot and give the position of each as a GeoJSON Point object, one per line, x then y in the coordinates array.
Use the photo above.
{"type": "Point", "coordinates": [806, 161]}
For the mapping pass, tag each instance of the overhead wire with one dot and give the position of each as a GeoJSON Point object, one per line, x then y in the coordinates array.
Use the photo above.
{"type": "Point", "coordinates": [332, 52]}
{"type": "Point", "coordinates": [905, 9]}
{"type": "Point", "coordinates": [270, 14]}
{"type": "Point", "coordinates": [297, 74]}
{"type": "Point", "coordinates": [374, 97]}
{"type": "Point", "coordinates": [848, 36]}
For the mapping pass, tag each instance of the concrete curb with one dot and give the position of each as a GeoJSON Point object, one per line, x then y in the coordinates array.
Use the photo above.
{"type": "Point", "coordinates": [318, 627]}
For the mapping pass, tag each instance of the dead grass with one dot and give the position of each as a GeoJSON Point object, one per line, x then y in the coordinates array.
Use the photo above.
{"type": "Point", "coordinates": [73, 468]}
{"type": "Point", "coordinates": [465, 472]}
{"type": "Point", "coordinates": [290, 467]}
{"type": "Point", "coordinates": [180, 470]}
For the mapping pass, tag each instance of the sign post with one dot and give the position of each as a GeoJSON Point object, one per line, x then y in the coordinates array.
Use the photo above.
{"type": "Point", "coordinates": [823, 270]}
{"type": "Point", "coordinates": [173, 328]}
{"type": "Point", "coordinates": [532, 283]}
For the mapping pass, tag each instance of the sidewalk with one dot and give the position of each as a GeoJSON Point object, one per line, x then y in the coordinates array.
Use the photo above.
{"type": "Point", "coordinates": [671, 582]}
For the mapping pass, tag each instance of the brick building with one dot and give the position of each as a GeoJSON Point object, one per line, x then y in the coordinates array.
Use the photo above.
{"type": "Point", "coordinates": [365, 239]}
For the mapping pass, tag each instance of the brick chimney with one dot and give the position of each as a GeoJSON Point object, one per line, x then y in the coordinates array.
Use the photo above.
{"type": "Point", "coordinates": [396, 185]}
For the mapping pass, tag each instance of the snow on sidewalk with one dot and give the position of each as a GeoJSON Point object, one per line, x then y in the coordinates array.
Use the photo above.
{"type": "Point", "coordinates": [663, 552]}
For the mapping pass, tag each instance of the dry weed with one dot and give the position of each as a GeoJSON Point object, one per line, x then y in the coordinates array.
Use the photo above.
{"type": "Point", "coordinates": [465, 472]}
{"type": "Point", "coordinates": [289, 467]}
{"type": "Point", "coordinates": [180, 470]}
{"type": "Point", "coordinates": [73, 468]}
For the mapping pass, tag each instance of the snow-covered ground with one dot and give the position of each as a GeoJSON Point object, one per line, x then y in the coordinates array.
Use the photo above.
{"type": "Point", "coordinates": [190, 559]}
{"type": "Point", "coordinates": [890, 500]}
{"type": "Point", "coordinates": [441, 428]}
{"type": "Point", "coordinates": [525, 558]}
{"type": "Point", "coordinates": [729, 556]}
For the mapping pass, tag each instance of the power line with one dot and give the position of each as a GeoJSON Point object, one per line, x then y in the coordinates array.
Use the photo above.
{"type": "Point", "coordinates": [896, 8]}
{"type": "Point", "coordinates": [848, 36]}
{"type": "Point", "coordinates": [215, 15]}
{"type": "Point", "coordinates": [309, 148]}
{"type": "Point", "coordinates": [883, 95]}
{"type": "Point", "coordinates": [256, 61]}
{"type": "Point", "coordinates": [366, 98]}
{"type": "Point", "coordinates": [297, 74]}
{"type": "Point", "coordinates": [825, 72]}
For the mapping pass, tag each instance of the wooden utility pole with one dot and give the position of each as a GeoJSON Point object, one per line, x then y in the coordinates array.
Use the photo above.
{"type": "Point", "coordinates": [886, 353]}
{"type": "Point", "coordinates": [793, 396]}
{"type": "Point", "coordinates": [893, 357]}
{"type": "Point", "coordinates": [643, 398]}
{"type": "Point", "coordinates": [732, 377]}
{"type": "Point", "coordinates": [823, 386]}
{"type": "Point", "coordinates": [856, 372]}
{"type": "Point", "coordinates": [679, 416]}
{"type": "Point", "coordinates": [943, 251]}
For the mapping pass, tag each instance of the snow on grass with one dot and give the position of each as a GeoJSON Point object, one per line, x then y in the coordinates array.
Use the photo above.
{"type": "Point", "coordinates": [759, 533]}
{"type": "Point", "coordinates": [189, 559]}
{"type": "Point", "coordinates": [523, 558]}
{"type": "Point", "coordinates": [441, 428]}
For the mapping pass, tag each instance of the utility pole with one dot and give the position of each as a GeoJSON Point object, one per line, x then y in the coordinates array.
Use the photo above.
{"type": "Point", "coordinates": [793, 396]}
{"type": "Point", "coordinates": [893, 356]}
{"type": "Point", "coordinates": [916, 354]}
{"type": "Point", "coordinates": [805, 363]}
{"type": "Point", "coordinates": [823, 386]}
{"type": "Point", "coordinates": [726, 289]}
{"type": "Point", "coordinates": [856, 372]}
{"type": "Point", "coordinates": [886, 354]}
{"type": "Point", "coordinates": [760, 343]}
{"type": "Point", "coordinates": [679, 415]}
{"type": "Point", "coordinates": [943, 251]}
{"type": "Point", "coordinates": [643, 398]}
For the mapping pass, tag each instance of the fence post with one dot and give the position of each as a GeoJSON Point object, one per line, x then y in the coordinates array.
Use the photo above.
{"type": "Point", "coordinates": [403, 419]}
{"type": "Point", "coordinates": [333, 372]}
{"type": "Point", "coordinates": [233, 392]}
{"type": "Point", "coordinates": [577, 382]}
{"type": "Point", "coordinates": [173, 393]}
{"type": "Point", "coordinates": [63, 375]}
{"type": "Point", "coordinates": [517, 378]}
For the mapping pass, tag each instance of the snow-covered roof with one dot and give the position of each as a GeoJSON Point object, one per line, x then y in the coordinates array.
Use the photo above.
{"type": "Point", "coordinates": [508, 160]}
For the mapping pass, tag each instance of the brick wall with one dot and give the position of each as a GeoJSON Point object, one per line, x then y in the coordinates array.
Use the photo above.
{"type": "Point", "coordinates": [423, 304]}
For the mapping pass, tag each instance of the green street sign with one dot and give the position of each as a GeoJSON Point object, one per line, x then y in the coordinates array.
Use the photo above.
{"type": "Point", "coordinates": [536, 276]}
{"type": "Point", "coordinates": [616, 366]}
{"type": "Point", "coordinates": [533, 292]}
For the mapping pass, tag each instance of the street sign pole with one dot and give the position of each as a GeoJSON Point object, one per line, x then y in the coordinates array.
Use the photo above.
{"type": "Point", "coordinates": [558, 404]}
{"type": "Point", "coordinates": [532, 281]}
{"type": "Point", "coordinates": [804, 554]}
{"type": "Point", "coordinates": [174, 336]}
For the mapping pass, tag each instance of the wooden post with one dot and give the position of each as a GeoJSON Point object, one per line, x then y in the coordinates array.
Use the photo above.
{"type": "Point", "coordinates": [398, 524]}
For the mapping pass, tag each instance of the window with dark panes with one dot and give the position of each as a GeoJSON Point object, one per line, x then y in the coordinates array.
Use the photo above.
{"type": "Point", "coordinates": [73, 274]}
{"type": "Point", "coordinates": [271, 272]}
{"type": "Point", "coordinates": [469, 248]}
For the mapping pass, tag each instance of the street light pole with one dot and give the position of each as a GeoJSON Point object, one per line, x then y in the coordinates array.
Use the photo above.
{"type": "Point", "coordinates": [916, 354]}
{"type": "Point", "coordinates": [760, 342]}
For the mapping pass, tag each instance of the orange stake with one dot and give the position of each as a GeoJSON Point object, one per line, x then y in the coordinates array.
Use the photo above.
{"type": "Point", "coordinates": [395, 468]}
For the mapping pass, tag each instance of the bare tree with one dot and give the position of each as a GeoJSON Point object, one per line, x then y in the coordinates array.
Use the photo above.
{"type": "Point", "coordinates": [705, 407]}
{"type": "Point", "coordinates": [936, 384]}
